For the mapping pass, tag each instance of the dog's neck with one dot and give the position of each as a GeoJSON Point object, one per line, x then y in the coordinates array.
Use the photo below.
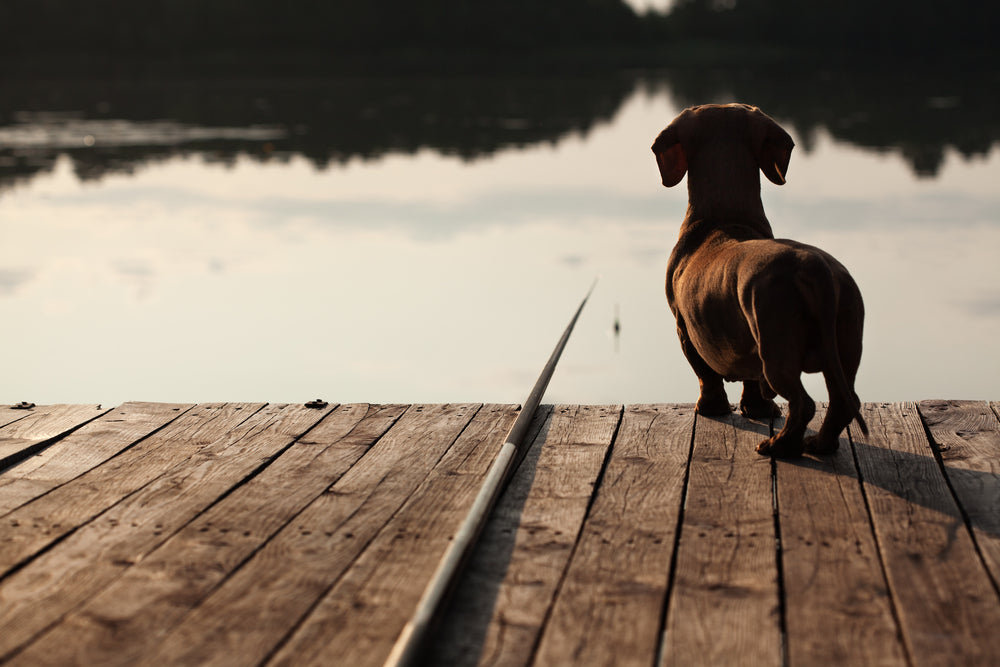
{"type": "Point", "coordinates": [730, 200]}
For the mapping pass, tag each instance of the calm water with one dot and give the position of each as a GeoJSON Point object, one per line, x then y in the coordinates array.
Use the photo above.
{"type": "Point", "coordinates": [226, 260]}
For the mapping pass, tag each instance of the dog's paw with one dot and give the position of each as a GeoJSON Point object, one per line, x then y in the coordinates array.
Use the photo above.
{"type": "Point", "coordinates": [814, 444]}
{"type": "Point", "coordinates": [713, 407]}
{"type": "Point", "coordinates": [761, 409]}
{"type": "Point", "coordinates": [780, 448]}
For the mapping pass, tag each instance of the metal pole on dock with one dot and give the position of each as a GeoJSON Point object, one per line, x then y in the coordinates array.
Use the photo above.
{"type": "Point", "coordinates": [406, 650]}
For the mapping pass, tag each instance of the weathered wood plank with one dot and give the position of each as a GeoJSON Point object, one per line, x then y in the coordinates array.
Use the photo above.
{"type": "Point", "coordinates": [120, 624]}
{"type": "Point", "coordinates": [152, 534]}
{"type": "Point", "coordinates": [610, 605]}
{"type": "Point", "coordinates": [944, 599]}
{"type": "Point", "coordinates": [97, 553]}
{"type": "Point", "coordinates": [572, 457]}
{"type": "Point", "coordinates": [466, 619]}
{"type": "Point", "coordinates": [837, 605]}
{"type": "Point", "coordinates": [10, 414]}
{"type": "Point", "coordinates": [534, 532]}
{"type": "Point", "coordinates": [247, 617]}
{"type": "Point", "coordinates": [39, 427]}
{"type": "Point", "coordinates": [82, 450]}
{"type": "Point", "coordinates": [724, 605]}
{"type": "Point", "coordinates": [361, 617]}
{"type": "Point", "coordinates": [35, 525]}
{"type": "Point", "coordinates": [968, 437]}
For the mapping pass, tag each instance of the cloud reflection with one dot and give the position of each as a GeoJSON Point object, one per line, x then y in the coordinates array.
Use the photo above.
{"type": "Point", "coordinates": [984, 307]}
{"type": "Point", "coordinates": [12, 280]}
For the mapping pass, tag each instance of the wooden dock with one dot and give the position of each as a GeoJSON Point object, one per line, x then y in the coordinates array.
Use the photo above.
{"type": "Point", "coordinates": [246, 534]}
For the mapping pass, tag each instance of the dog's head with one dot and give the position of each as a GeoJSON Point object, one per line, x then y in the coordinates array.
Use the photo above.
{"type": "Point", "coordinates": [722, 133]}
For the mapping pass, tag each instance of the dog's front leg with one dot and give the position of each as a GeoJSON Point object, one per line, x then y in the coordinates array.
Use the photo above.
{"type": "Point", "coordinates": [712, 399]}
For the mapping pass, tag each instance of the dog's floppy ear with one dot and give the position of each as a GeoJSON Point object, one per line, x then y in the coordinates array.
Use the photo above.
{"type": "Point", "coordinates": [670, 156]}
{"type": "Point", "coordinates": [772, 147]}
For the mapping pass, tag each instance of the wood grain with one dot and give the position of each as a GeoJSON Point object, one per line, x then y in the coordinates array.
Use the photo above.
{"type": "Point", "coordinates": [611, 602]}
{"type": "Point", "coordinates": [724, 606]}
{"type": "Point", "coordinates": [944, 599]}
{"type": "Point", "coordinates": [9, 414]}
{"type": "Point", "coordinates": [571, 450]}
{"type": "Point", "coordinates": [97, 553]}
{"type": "Point", "coordinates": [251, 613]}
{"type": "Point", "coordinates": [251, 533]}
{"type": "Point", "coordinates": [82, 450]}
{"type": "Point", "coordinates": [363, 614]}
{"type": "Point", "coordinates": [967, 434]}
{"type": "Point", "coordinates": [837, 605]}
{"type": "Point", "coordinates": [33, 526]}
{"type": "Point", "coordinates": [120, 624]}
{"type": "Point", "coordinates": [467, 615]}
{"type": "Point", "coordinates": [566, 476]}
{"type": "Point", "coordinates": [39, 427]}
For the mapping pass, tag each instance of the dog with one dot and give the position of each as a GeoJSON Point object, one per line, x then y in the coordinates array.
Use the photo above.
{"type": "Point", "coordinates": [749, 307]}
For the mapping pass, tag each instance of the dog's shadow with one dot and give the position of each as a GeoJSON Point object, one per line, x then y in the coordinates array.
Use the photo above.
{"type": "Point", "coordinates": [462, 631]}
{"type": "Point", "coordinates": [967, 496]}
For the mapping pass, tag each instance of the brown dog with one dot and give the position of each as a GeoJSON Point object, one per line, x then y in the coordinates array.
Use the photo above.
{"type": "Point", "coordinates": [750, 307]}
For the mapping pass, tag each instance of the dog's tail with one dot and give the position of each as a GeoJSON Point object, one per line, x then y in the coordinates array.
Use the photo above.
{"type": "Point", "coordinates": [825, 292]}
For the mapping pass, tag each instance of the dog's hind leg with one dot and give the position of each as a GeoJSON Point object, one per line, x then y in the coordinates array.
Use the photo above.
{"type": "Point", "coordinates": [843, 406]}
{"type": "Point", "coordinates": [841, 368]}
{"type": "Point", "coordinates": [838, 415]}
{"type": "Point", "coordinates": [782, 371]}
{"type": "Point", "coordinates": [788, 442]}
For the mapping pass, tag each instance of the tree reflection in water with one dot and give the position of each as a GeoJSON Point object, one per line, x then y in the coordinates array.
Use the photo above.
{"type": "Point", "coordinates": [116, 126]}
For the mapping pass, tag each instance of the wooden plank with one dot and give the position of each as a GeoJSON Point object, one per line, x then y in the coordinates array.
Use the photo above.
{"type": "Point", "coordinates": [724, 606]}
{"type": "Point", "coordinates": [946, 604]}
{"type": "Point", "coordinates": [120, 624]}
{"type": "Point", "coordinates": [249, 615]}
{"type": "Point", "coordinates": [82, 450]}
{"type": "Point", "coordinates": [33, 526]}
{"type": "Point", "coordinates": [361, 617]}
{"type": "Point", "coordinates": [610, 605]}
{"type": "Point", "coordinates": [40, 427]}
{"type": "Point", "coordinates": [837, 605]}
{"type": "Point", "coordinates": [967, 434]}
{"type": "Point", "coordinates": [97, 553]}
{"type": "Point", "coordinates": [10, 414]}
{"type": "Point", "coordinates": [461, 632]}
{"type": "Point", "coordinates": [527, 545]}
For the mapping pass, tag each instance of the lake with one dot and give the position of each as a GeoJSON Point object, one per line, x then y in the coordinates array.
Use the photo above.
{"type": "Point", "coordinates": [428, 240]}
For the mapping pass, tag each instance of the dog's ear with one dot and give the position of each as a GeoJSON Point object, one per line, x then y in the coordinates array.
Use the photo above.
{"type": "Point", "coordinates": [670, 156]}
{"type": "Point", "coordinates": [772, 147]}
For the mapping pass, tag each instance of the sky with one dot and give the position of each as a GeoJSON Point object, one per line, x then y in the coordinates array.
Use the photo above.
{"type": "Point", "coordinates": [642, 5]}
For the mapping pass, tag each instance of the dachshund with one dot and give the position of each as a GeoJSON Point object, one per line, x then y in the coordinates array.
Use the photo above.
{"type": "Point", "coordinates": [749, 307]}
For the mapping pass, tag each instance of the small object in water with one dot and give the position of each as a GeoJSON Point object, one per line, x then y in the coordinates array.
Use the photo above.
{"type": "Point", "coordinates": [23, 405]}
{"type": "Point", "coordinates": [318, 404]}
{"type": "Point", "coordinates": [617, 330]}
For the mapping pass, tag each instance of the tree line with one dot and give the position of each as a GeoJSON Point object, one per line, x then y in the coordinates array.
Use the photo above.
{"type": "Point", "coordinates": [191, 27]}
{"type": "Point", "coordinates": [932, 28]}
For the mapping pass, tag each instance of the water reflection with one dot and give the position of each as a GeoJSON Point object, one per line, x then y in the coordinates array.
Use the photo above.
{"type": "Point", "coordinates": [324, 120]}
{"type": "Point", "coordinates": [427, 240]}
{"type": "Point", "coordinates": [116, 126]}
